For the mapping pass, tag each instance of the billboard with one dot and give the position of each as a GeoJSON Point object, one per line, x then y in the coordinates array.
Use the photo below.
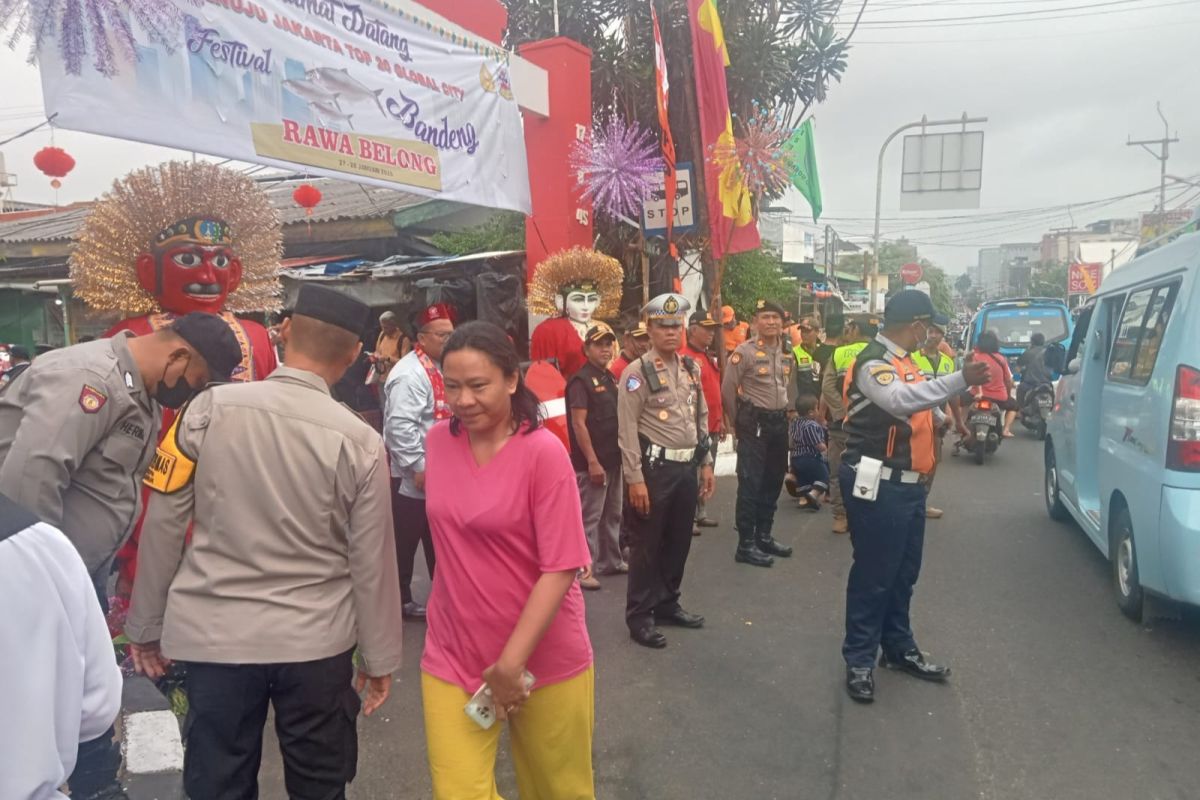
{"type": "Point", "coordinates": [941, 171]}
{"type": "Point", "coordinates": [340, 89]}
{"type": "Point", "coordinates": [1084, 278]}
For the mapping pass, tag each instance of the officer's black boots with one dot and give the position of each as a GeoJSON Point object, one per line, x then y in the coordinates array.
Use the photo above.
{"type": "Point", "coordinates": [771, 547]}
{"type": "Point", "coordinates": [860, 684]}
{"type": "Point", "coordinates": [913, 662]}
{"type": "Point", "coordinates": [748, 553]}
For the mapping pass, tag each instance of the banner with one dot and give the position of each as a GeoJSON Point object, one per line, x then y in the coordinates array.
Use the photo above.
{"type": "Point", "coordinates": [326, 87]}
{"type": "Point", "coordinates": [662, 95]}
{"type": "Point", "coordinates": [730, 216]}
{"type": "Point", "coordinates": [1084, 278]}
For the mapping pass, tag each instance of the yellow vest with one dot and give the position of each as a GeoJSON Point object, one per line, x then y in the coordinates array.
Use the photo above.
{"type": "Point", "coordinates": [803, 360]}
{"type": "Point", "coordinates": [945, 365]}
{"type": "Point", "coordinates": [844, 356]}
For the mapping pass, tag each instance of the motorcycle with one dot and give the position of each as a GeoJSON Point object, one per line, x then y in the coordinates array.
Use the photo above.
{"type": "Point", "coordinates": [985, 422]}
{"type": "Point", "coordinates": [1035, 411]}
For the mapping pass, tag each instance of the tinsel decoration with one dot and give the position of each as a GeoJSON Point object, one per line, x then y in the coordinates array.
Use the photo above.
{"type": "Point", "coordinates": [758, 156]}
{"type": "Point", "coordinates": [95, 26]}
{"type": "Point", "coordinates": [126, 219]}
{"type": "Point", "coordinates": [616, 166]}
{"type": "Point", "coordinates": [571, 266]}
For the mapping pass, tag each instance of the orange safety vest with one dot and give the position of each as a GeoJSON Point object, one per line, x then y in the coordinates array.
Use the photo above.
{"type": "Point", "coordinates": [873, 432]}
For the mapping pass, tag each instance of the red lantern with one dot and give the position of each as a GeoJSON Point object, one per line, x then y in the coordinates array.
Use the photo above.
{"type": "Point", "coordinates": [55, 162]}
{"type": "Point", "coordinates": [307, 196]}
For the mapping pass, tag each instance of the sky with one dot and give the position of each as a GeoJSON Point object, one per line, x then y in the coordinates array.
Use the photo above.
{"type": "Point", "coordinates": [1063, 83]}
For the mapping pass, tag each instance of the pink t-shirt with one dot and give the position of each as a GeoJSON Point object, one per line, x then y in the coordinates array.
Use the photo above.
{"type": "Point", "coordinates": [999, 374]}
{"type": "Point", "coordinates": [496, 529]}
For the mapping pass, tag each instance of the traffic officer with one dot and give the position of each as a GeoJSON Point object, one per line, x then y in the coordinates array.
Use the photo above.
{"type": "Point", "coordinates": [808, 368]}
{"type": "Point", "coordinates": [291, 565]}
{"type": "Point", "coordinates": [77, 430]}
{"type": "Point", "coordinates": [890, 418]}
{"type": "Point", "coordinates": [756, 389]}
{"type": "Point", "coordinates": [663, 430]}
{"type": "Point", "coordinates": [935, 364]}
{"type": "Point", "coordinates": [857, 332]}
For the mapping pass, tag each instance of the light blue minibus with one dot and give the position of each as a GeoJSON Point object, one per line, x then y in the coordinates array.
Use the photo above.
{"type": "Point", "coordinates": [1122, 454]}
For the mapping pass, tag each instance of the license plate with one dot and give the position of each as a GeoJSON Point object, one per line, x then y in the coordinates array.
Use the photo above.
{"type": "Point", "coordinates": [982, 419]}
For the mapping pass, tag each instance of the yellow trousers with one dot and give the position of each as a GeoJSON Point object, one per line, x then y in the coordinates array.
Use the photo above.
{"type": "Point", "coordinates": [551, 742]}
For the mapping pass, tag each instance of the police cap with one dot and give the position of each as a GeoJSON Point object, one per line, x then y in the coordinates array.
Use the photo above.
{"type": "Point", "coordinates": [867, 324]}
{"type": "Point", "coordinates": [327, 305]}
{"type": "Point", "coordinates": [212, 338]}
{"type": "Point", "coordinates": [598, 333]}
{"type": "Point", "coordinates": [769, 307]}
{"type": "Point", "coordinates": [911, 305]}
{"type": "Point", "coordinates": [703, 320]}
{"type": "Point", "coordinates": [669, 310]}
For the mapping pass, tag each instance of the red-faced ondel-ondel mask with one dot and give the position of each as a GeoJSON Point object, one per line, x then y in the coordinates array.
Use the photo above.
{"type": "Point", "coordinates": [191, 266]}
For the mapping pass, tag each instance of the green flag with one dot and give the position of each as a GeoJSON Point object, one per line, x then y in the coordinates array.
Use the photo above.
{"type": "Point", "coordinates": [803, 151]}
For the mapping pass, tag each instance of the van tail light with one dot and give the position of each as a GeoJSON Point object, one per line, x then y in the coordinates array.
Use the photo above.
{"type": "Point", "coordinates": [1183, 447]}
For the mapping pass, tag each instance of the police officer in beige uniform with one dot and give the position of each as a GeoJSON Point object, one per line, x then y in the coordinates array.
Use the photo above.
{"type": "Point", "coordinates": [757, 390]}
{"type": "Point", "coordinates": [292, 563]}
{"type": "Point", "coordinates": [77, 430]}
{"type": "Point", "coordinates": [663, 431]}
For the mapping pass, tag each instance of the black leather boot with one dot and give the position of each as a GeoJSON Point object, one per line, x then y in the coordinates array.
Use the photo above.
{"type": "Point", "coordinates": [749, 554]}
{"type": "Point", "coordinates": [771, 547]}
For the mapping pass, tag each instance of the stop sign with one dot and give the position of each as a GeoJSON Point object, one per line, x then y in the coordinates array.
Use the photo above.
{"type": "Point", "coordinates": [911, 273]}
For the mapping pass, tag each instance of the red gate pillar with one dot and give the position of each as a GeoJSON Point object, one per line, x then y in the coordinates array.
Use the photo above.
{"type": "Point", "coordinates": [560, 219]}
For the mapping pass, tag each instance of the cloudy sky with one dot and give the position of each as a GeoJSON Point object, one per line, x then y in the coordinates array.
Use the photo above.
{"type": "Point", "coordinates": [1064, 83]}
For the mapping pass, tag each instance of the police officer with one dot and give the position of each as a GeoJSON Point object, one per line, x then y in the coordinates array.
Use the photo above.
{"type": "Point", "coordinates": [756, 389]}
{"type": "Point", "coordinates": [808, 367]}
{"type": "Point", "coordinates": [891, 414]}
{"type": "Point", "coordinates": [858, 331]}
{"type": "Point", "coordinates": [291, 565]}
{"type": "Point", "coordinates": [663, 425]}
{"type": "Point", "coordinates": [77, 430]}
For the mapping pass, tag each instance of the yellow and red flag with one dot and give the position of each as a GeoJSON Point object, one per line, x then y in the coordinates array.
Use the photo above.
{"type": "Point", "coordinates": [663, 95]}
{"type": "Point", "coordinates": [730, 213]}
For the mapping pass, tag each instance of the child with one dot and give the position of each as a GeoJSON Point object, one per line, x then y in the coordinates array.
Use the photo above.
{"type": "Point", "coordinates": [809, 475]}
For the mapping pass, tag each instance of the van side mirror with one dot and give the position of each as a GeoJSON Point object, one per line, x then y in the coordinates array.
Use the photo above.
{"type": "Point", "coordinates": [1055, 357]}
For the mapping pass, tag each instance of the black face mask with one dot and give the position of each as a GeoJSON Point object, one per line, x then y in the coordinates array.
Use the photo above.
{"type": "Point", "coordinates": [173, 396]}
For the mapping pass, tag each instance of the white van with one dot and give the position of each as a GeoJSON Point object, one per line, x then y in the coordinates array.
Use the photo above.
{"type": "Point", "coordinates": [1122, 451]}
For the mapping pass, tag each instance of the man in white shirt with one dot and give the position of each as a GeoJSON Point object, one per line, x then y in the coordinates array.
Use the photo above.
{"type": "Point", "coordinates": [414, 399]}
{"type": "Point", "coordinates": [59, 682]}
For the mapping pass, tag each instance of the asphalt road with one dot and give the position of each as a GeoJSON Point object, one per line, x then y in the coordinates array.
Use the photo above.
{"type": "Point", "coordinates": [1054, 695]}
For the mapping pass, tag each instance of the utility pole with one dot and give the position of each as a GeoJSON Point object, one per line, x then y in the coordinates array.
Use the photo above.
{"type": "Point", "coordinates": [1162, 155]}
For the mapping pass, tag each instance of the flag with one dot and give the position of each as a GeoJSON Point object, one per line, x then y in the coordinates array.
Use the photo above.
{"type": "Point", "coordinates": [803, 151]}
{"type": "Point", "coordinates": [730, 215]}
{"type": "Point", "coordinates": [663, 95]}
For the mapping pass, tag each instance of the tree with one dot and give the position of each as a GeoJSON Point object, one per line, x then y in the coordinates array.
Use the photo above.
{"type": "Point", "coordinates": [893, 256]}
{"type": "Point", "coordinates": [503, 231]}
{"type": "Point", "coordinates": [962, 284]}
{"type": "Point", "coordinates": [1048, 279]}
{"type": "Point", "coordinates": [753, 275]}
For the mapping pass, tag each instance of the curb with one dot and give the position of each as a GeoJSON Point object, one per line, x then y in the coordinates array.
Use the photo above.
{"type": "Point", "coordinates": [150, 743]}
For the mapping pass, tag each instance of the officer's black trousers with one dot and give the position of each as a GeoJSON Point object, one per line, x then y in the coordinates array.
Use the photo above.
{"type": "Point", "coordinates": [316, 713]}
{"type": "Point", "coordinates": [411, 526]}
{"type": "Point", "coordinates": [762, 458]}
{"type": "Point", "coordinates": [888, 536]}
{"type": "Point", "coordinates": [661, 542]}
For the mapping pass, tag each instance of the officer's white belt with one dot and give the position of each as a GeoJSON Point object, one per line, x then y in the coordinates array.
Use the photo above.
{"type": "Point", "coordinates": [681, 455]}
{"type": "Point", "coordinates": [896, 475]}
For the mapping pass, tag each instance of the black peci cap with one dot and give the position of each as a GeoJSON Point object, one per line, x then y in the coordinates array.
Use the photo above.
{"type": "Point", "coordinates": [912, 305]}
{"type": "Point", "coordinates": [331, 306]}
{"type": "Point", "coordinates": [768, 306]}
{"type": "Point", "coordinates": [212, 338]}
{"type": "Point", "coordinates": [702, 319]}
{"type": "Point", "coordinates": [598, 333]}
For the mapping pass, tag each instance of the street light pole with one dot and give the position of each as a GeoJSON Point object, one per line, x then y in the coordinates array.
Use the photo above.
{"type": "Point", "coordinates": [872, 278]}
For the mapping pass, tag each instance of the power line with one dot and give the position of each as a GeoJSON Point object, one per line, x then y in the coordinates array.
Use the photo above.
{"type": "Point", "coordinates": [1026, 13]}
{"type": "Point", "coordinates": [1006, 39]}
{"type": "Point", "coordinates": [1012, 17]}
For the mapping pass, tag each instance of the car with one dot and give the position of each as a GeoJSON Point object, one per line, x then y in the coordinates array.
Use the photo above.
{"type": "Point", "coordinates": [1122, 450]}
{"type": "Point", "coordinates": [1016, 319]}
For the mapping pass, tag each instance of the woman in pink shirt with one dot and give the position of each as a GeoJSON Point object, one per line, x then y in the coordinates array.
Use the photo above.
{"type": "Point", "coordinates": [504, 512]}
{"type": "Point", "coordinates": [999, 386]}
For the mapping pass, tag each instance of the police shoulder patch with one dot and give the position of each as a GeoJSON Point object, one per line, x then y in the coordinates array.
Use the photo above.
{"type": "Point", "coordinates": [884, 377]}
{"type": "Point", "coordinates": [735, 358]}
{"type": "Point", "coordinates": [91, 399]}
{"type": "Point", "coordinates": [633, 383]}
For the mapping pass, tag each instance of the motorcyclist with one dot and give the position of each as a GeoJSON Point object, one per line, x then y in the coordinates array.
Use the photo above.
{"type": "Point", "coordinates": [999, 387]}
{"type": "Point", "coordinates": [1034, 372]}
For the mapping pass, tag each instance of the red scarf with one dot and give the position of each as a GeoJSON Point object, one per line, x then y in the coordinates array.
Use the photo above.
{"type": "Point", "coordinates": [441, 409]}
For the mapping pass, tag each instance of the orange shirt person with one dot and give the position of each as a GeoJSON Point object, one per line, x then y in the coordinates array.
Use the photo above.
{"type": "Point", "coordinates": [735, 332]}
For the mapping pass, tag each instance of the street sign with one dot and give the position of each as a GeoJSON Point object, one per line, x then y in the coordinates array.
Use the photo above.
{"type": "Point", "coordinates": [911, 274]}
{"type": "Point", "coordinates": [654, 208]}
{"type": "Point", "coordinates": [941, 171]}
{"type": "Point", "coordinates": [1084, 278]}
